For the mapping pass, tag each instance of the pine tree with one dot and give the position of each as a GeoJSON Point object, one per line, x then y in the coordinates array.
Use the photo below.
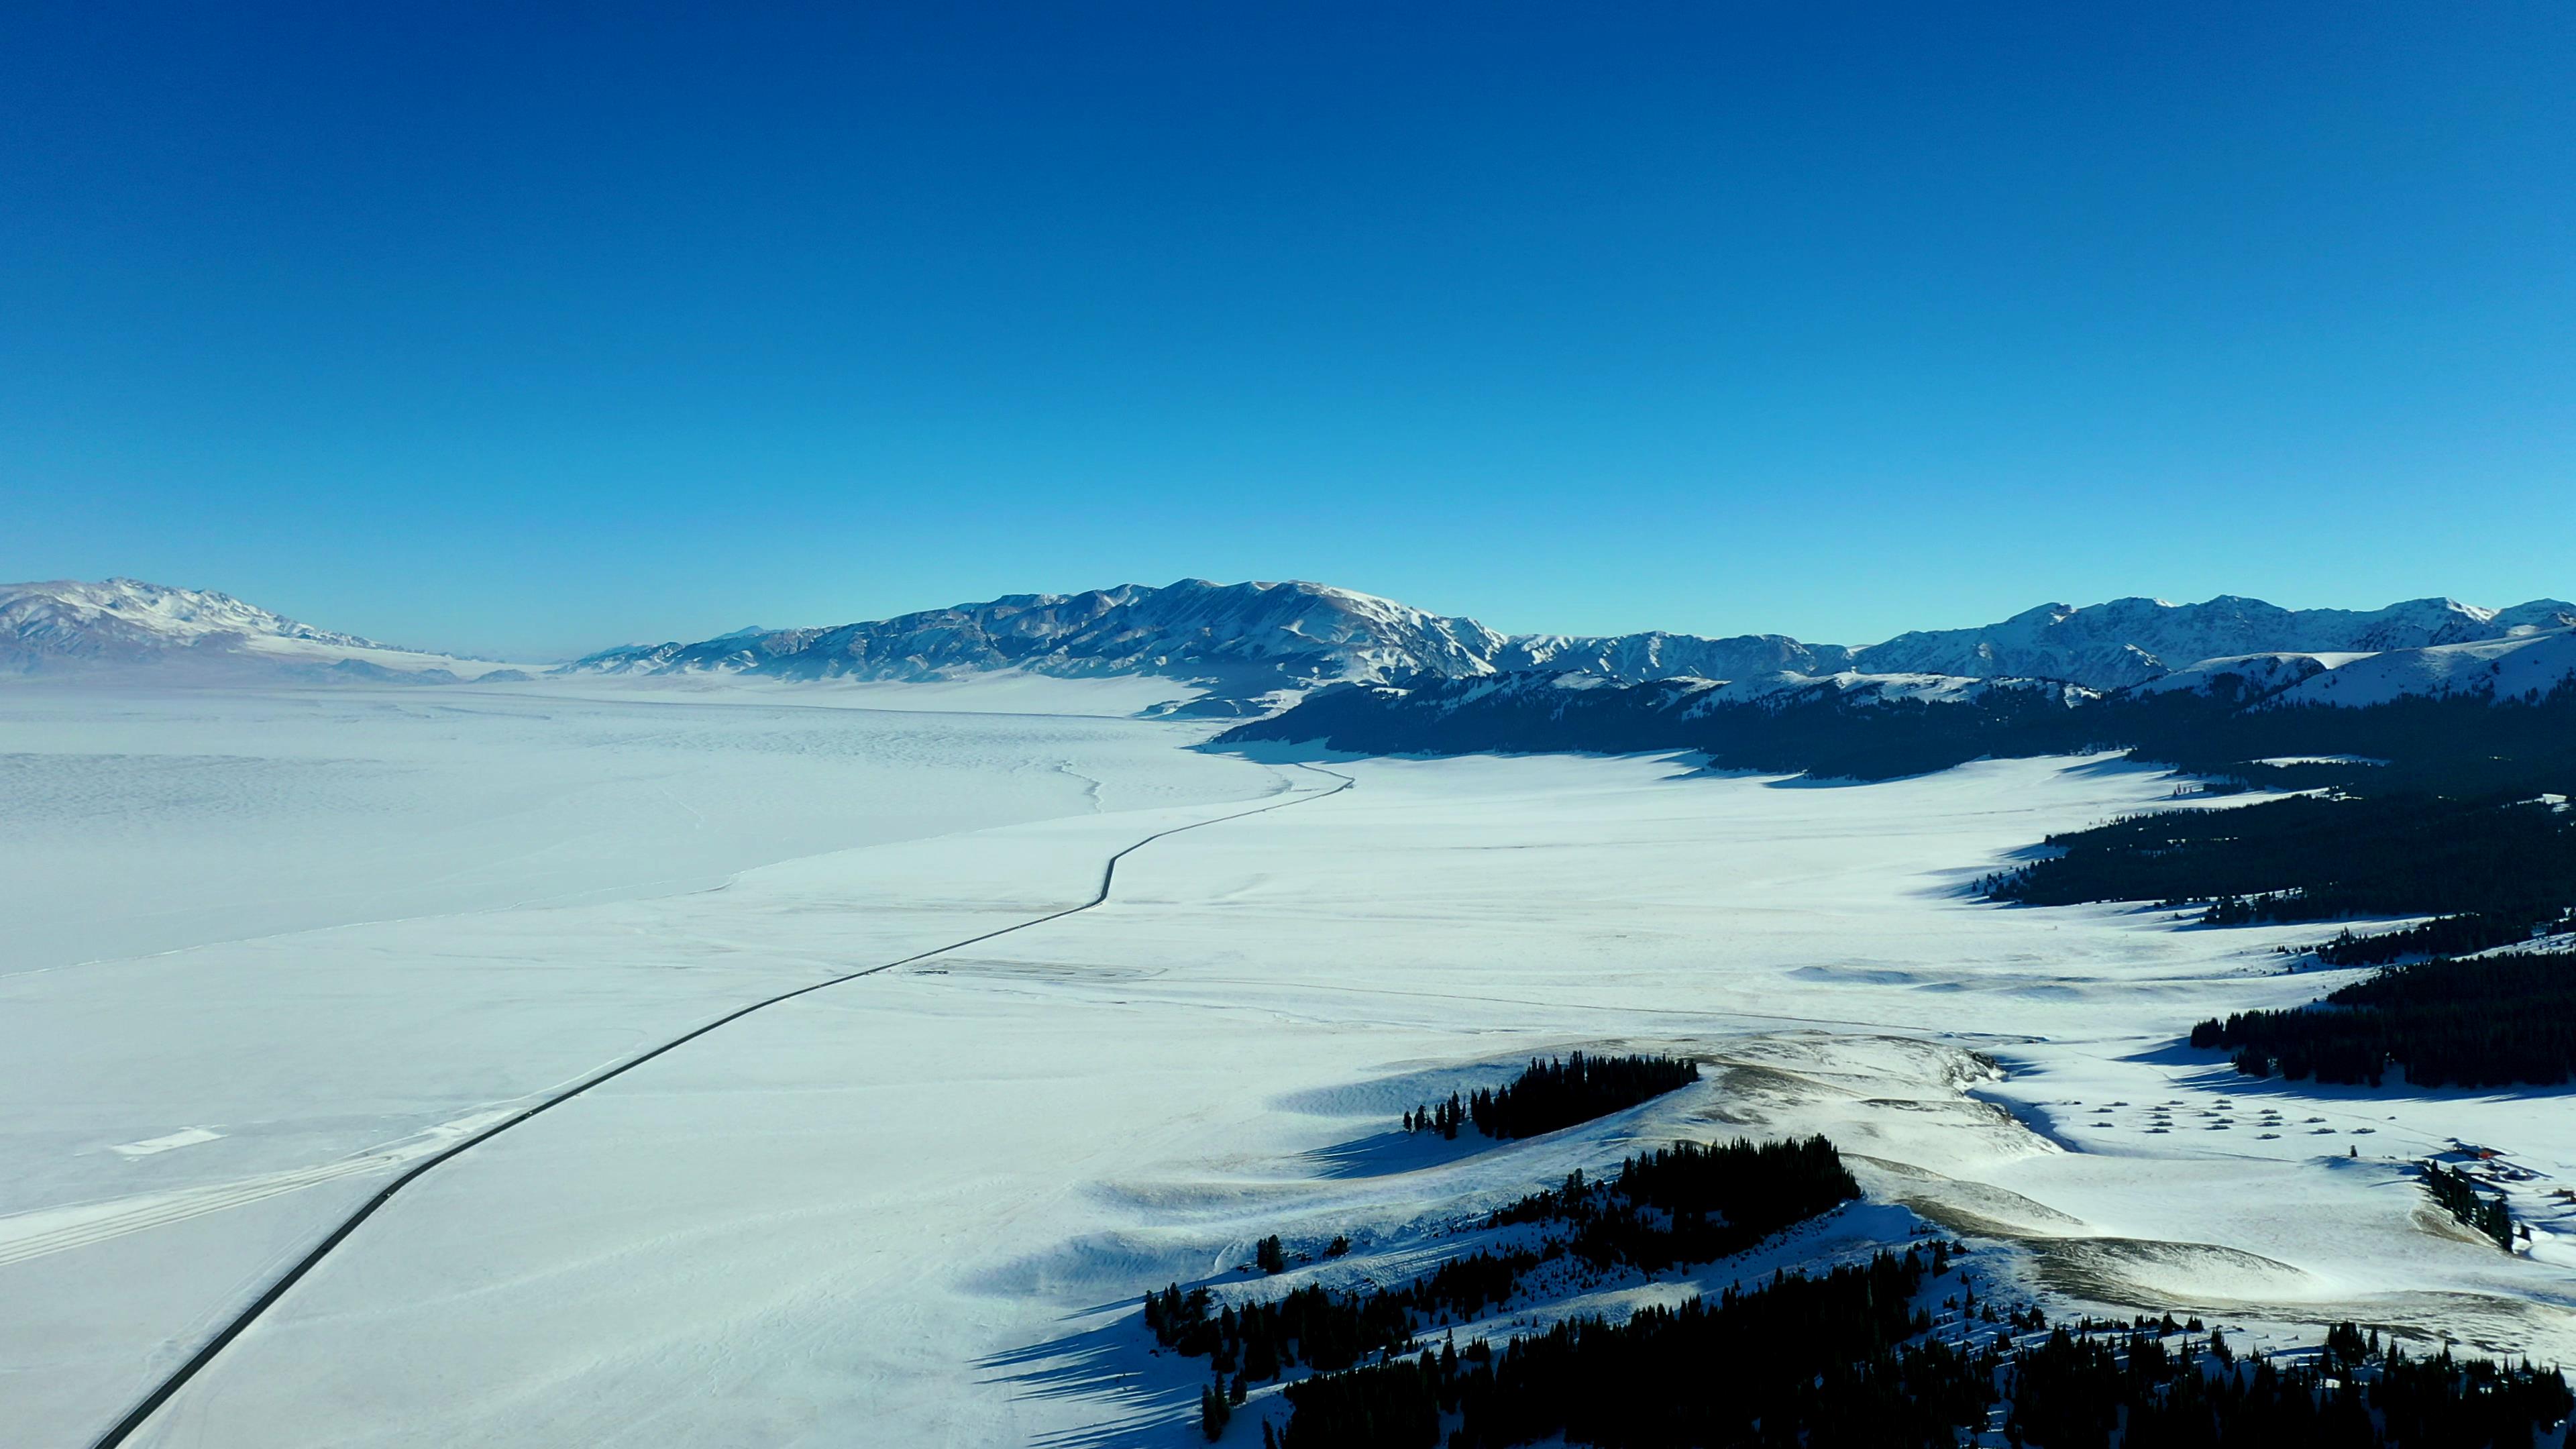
{"type": "Point", "coordinates": [1213, 1412]}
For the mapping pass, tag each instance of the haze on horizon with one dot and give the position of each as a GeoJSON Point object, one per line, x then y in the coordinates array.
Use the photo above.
{"type": "Point", "coordinates": [526, 334]}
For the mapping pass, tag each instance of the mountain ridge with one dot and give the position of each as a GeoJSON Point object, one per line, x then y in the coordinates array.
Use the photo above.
{"type": "Point", "coordinates": [1253, 646]}
{"type": "Point", "coordinates": [1297, 634]}
{"type": "Point", "coordinates": [56, 625]}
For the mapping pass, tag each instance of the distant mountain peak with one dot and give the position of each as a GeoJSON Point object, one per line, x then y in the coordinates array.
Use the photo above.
{"type": "Point", "coordinates": [83, 617]}
{"type": "Point", "coordinates": [1240, 641]}
{"type": "Point", "coordinates": [68, 624]}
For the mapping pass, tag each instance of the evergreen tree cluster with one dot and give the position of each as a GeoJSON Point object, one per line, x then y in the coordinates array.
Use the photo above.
{"type": "Point", "coordinates": [2435, 829]}
{"type": "Point", "coordinates": [1216, 1410]}
{"type": "Point", "coordinates": [1557, 1092]}
{"type": "Point", "coordinates": [2507, 866]}
{"type": "Point", "coordinates": [1689, 1203]}
{"type": "Point", "coordinates": [2485, 1022]}
{"type": "Point", "coordinates": [1696, 1374]}
{"type": "Point", "coordinates": [1682, 1205]}
{"type": "Point", "coordinates": [1444, 1118]}
{"type": "Point", "coordinates": [2458, 1194]}
{"type": "Point", "coordinates": [1324, 1330]}
{"type": "Point", "coordinates": [1551, 1094]}
{"type": "Point", "coordinates": [2449, 936]}
{"type": "Point", "coordinates": [1841, 1361]}
{"type": "Point", "coordinates": [2463, 746]}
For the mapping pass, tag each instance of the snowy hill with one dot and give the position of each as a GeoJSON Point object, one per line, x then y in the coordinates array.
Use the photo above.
{"type": "Point", "coordinates": [1240, 640]}
{"type": "Point", "coordinates": [2247, 676]}
{"type": "Point", "coordinates": [69, 625]}
{"type": "Point", "coordinates": [1658, 655]}
{"type": "Point", "coordinates": [2130, 641]}
{"type": "Point", "coordinates": [2510, 668]}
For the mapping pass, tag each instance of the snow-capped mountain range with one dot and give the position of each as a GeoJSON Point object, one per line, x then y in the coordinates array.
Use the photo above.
{"type": "Point", "coordinates": [66, 624]}
{"type": "Point", "coordinates": [1244, 639]}
{"type": "Point", "coordinates": [2131, 641]}
{"type": "Point", "coordinates": [1249, 645]}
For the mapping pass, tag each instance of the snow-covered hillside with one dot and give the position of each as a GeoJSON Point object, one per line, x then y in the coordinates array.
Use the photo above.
{"type": "Point", "coordinates": [2499, 668]}
{"type": "Point", "coordinates": [1657, 655]}
{"type": "Point", "coordinates": [2131, 641]}
{"type": "Point", "coordinates": [2247, 676]}
{"type": "Point", "coordinates": [1242, 641]}
{"type": "Point", "coordinates": [67, 624]}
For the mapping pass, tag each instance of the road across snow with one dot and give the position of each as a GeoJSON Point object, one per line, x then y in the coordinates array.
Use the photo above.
{"type": "Point", "coordinates": [910, 1212]}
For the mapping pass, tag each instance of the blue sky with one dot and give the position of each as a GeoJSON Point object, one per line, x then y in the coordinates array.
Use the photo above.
{"type": "Point", "coordinates": [487, 329]}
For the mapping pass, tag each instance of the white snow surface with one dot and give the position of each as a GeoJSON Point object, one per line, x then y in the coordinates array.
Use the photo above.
{"type": "Point", "coordinates": [916, 1208]}
{"type": "Point", "coordinates": [144, 819]}
{"type": "Point", "coordinates": [2524, 663]}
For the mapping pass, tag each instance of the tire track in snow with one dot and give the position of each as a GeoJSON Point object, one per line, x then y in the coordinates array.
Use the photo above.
{"type": "Point", "coordinates": [53, 1230]}
{"type": "Point", "coordinates": [161, 1394]}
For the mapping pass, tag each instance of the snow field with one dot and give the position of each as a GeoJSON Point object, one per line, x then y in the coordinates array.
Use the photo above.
{"type": "Point", "coordinates": [916, 1209]}
{"type": "Point", "coordinates": [144, 820]}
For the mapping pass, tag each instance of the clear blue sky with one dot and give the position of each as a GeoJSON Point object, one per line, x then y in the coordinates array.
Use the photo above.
{"type": "Point", "coordinates": [483, 328]}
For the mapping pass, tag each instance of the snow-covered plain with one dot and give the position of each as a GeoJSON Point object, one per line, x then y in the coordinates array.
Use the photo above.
{"type": "Point", "coordinates": [141, 819]}
{"type": "Point", "coordinates": [915, 1208]}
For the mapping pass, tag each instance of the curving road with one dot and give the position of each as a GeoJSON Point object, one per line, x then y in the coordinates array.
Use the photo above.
{"type": "Point", "coordinates": [178, 1378]}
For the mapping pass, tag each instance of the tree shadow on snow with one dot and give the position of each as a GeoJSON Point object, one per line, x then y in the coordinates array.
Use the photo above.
{"type": "Point", "coordinates": [1141, 1395]}
{"type": "Point", "coordinates": [1385, 1154]}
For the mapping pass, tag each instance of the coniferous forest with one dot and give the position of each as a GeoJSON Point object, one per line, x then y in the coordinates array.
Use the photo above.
{"type": "Point", "coordinates": [2448, 936]}
{"type": "Point", "coordinates": [2461, 746]}
{"type": "Point", "coordinates": [1845, 1359]}
{"type": "Point", "coordinates": [2458, 1194]}
{"type": "Point", "coordinates": [2425, 806]}
{"type": "Point", "coordinates": [1553, 1093]}
{"type": "Point", "coordinates": [2487, 1022]}
{"type": "Point", "coordinates": [1841, 1361]}
{"type": "Point", "coordinates": [2507, 867]}
{"type": "Point", "coordinates": [1682, 1205]}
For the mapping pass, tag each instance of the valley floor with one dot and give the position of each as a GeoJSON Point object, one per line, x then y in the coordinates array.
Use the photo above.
{"type": "Point", "coordinates": [917, 1208]}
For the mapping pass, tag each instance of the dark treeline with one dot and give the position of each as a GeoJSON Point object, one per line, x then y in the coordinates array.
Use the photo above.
{"type": "Point", "coordinates": [1689, 1203]}
{"type": "Point", "coordinates": [1553, 1093]}
{"type": "Point", "coordinates": [1444, 1118]}
{"type": "Point", "coordinates": [1683, 1205]}
{"type": "Point", "coordinates": [2449, 936]}
{"type": "Point", "coordinates": [1840, 1362]}
{"type": "Point", "coordinates": [2486, 1022]}
{"type": "Point", "coordinates": [2458, 1194]}
{"type": "Point", "coordinates": [2508, 867]}
{"type": "Point", "coordinates": [2434, 828]}
{"type": "Point", "coordinates": [1697, 1374]}
{"type": "Point", "coordinates": [1875, 742]}
{"type": "Point", "coordinates": [2463, 746]}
